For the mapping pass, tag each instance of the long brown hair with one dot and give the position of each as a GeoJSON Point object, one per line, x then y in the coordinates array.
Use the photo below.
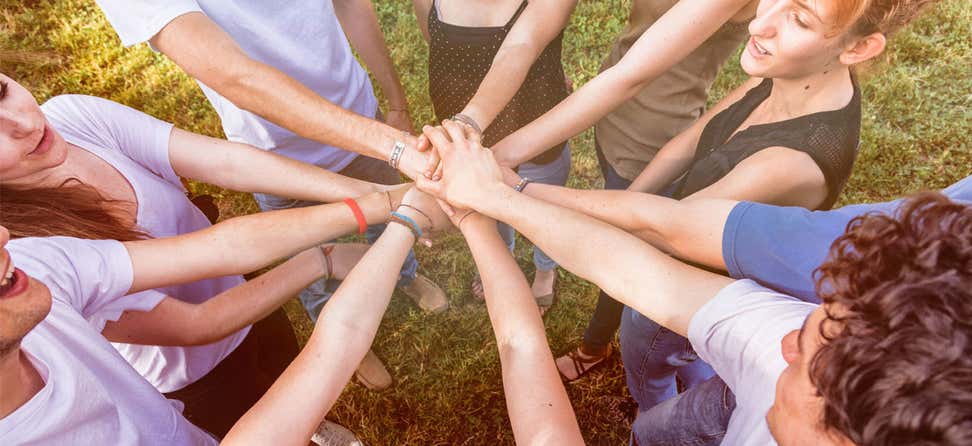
{"type": "Point", "coordinates": [73, 209]}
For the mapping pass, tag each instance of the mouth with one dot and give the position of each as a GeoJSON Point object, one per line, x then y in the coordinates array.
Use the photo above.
{"type": "Point", "coordinates": [756, 49]}
{"type": "Point", "coordinates": [14, 281]}
{"type": "Point", "coordinates": [44, 145]}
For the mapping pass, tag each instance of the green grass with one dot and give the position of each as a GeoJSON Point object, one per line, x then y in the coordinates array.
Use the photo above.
{"type": "Point", "coordinates": [917, 122]}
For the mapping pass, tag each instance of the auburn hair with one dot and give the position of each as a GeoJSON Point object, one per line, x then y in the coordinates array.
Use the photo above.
{"type": "Point", "coordinates": [73, 209]}
{"type": "Point", "coordinates": [895, 367]}
{"type": "Point", "coordinates": [863, 17]}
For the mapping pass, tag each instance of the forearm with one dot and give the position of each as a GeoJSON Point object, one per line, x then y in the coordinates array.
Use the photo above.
{"type": "Point", "coordinates": [245, 168]}
{"type": "Point", "coordinates": [244, 244]}
{"type": "Point", "coordinates": [505, 77]}
{"type": "Point", "coordinates": [673, 160]}
{"type": "Point", "coordinates": [262, 89]}
{"type": "Point", "coordinates": [293, 407]}
{"type": "Point", "coordinates": [629, 270]}
{"type": "Point", "coordinates": [537, 404]}
{"type": "Point", "coordinates": [360, 23]}
{"type": "Point", "coordinates": [571, 116]}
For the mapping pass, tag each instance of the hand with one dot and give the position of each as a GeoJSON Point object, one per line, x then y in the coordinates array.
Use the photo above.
{"type": "Point", "coordinates": [400, 119]}
{"type": "Point", "coordinates": [433, 167]}
{"type": "Point", "coordinates": [469, 171]}
{"type": "Point", "coordinates": [510, 177]}
{"type": "Point", "coordinates": [413, 162]}
{"type": "Point", "coordinates": [425, 210]}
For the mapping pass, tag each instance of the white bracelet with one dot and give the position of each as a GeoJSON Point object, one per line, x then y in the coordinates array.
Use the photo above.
{"type": "Point", "coordinates": [396, 154]}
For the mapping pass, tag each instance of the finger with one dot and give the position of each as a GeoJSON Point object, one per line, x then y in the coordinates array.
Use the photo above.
{"type": "Point", "coordinates": [434, 188]}
{"type": "Point", "coordinates": [437, 175]}
{"type": "Point", "coordinates": [472, 134]}
{"type": "Point", "coordinates": [455, 132]}
{"type": "Point", "coordinates": [439, 139]}
{"type": "Point", "coordinates": [422, 144]}
{"type": "Point", "coordinates": [446, 207]}
{"type": "Point", "coordinates": [433, 165]}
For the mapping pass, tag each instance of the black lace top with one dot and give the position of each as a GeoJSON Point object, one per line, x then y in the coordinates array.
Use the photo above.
{"type": "Point", "coordinates": [831, 138]}
{"type": "Point", "coordinates": [460, 57]}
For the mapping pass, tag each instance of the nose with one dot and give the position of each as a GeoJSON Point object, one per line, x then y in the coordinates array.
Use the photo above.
{"type": "Point", "coordinates": [765, 23]}
{"type": "Point", "coordinates": [18, 124]}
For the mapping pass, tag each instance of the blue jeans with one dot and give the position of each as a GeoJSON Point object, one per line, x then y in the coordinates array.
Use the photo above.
{"type": "Point", "coordinates": [554, 173]}
{"type": "Point", "coordinates": [363, 168]}
{"type": "Point", "coordinates": [652, 356]}
{"type": "Point", "coordinates": [696, 417]}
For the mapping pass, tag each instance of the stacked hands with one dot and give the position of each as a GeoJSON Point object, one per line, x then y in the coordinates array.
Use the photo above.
{"type": "Point", "coordinates": [458, 174]}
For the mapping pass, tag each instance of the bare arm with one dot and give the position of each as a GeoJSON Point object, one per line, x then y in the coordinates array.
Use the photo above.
{"type": "Point", "coordinates": [293, 407]}
{"type": "Point", "coordinates": [640, 276]}
{"type": "Point", "coordinates": [537, 26]}
{"type": "Point", "coordinates": [670, 39]}
{"type": "Point", "coordinates": [245, 168]}
{"type": "Point", "coordinates": [690, 230]}
{"type": "Point", "coordinates": [422, 8]}
{"type": "Point", "coordinates": [775, 175]}
{"type": "Point", "coordinates": [244, 244]}
{"type": "Point", "coordinates": [175, 322]}
{"type": "Point", "coordinates": [360, 23]}
{"type": "Point", "coordinates": [536, 401]}
{"type": "Point", "coordinates": [676, 156]}
{"type": "Point", "coordinates": [262, 89]}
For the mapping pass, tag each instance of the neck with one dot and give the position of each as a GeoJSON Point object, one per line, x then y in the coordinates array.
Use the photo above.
{"type": "Point", "coordinates": [19, 381]}
{"type": "Point", "coordinates": [826, 90]}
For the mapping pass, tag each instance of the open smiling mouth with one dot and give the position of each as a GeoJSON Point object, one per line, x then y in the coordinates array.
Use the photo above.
{"type": "Point", "coordinates": [14, 282]}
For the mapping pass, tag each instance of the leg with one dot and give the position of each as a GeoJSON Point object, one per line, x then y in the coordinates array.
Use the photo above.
{"type": "Point", "coordinates": [699, 416]}
{"type": "Point", "coordinates": [652, 355]}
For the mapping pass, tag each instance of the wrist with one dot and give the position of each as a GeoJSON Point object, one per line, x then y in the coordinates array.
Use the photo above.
{"type": "Point", "coordinates": [421, 219]}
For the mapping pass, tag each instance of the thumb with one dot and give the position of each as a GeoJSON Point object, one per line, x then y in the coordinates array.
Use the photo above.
{"type": "Point", "coordinates": [434, 188]}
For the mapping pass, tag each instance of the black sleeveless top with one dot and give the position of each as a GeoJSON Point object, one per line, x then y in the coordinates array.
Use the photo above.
{"type": "Point", "coordinates": [831, 138]}
{"type": "Point", "coordinates": [460, 57]}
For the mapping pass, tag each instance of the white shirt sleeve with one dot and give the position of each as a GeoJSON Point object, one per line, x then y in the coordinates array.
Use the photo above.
{"type": "Point", "coordinates": [739, 332]}
{"type": "Point", "coordinates": [92, 276]}
{"type": "Point", "coordinates": [137, 21]}
{"type": "Point", "coordinates": [114, 126]}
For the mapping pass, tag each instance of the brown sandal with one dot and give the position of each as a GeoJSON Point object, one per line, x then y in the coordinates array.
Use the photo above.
{"type": "Point", "coordinates": [580, 362]}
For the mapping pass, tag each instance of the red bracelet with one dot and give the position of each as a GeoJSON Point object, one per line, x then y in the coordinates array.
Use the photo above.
{"type": "Point", "coordinates": [358, 215]}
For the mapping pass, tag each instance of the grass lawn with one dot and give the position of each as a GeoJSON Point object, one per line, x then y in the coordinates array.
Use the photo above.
{"type": "Point", "coordinates": [916, 134]}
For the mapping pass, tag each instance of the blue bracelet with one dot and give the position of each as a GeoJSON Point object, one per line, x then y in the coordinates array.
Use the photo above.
{"type": "Point", "coordinates": [416, 230]}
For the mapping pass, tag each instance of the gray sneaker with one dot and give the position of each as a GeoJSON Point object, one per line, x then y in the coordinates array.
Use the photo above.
{"type": "Point", "coordinates": [333, 434]}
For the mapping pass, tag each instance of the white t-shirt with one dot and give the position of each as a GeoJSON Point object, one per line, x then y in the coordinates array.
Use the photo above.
{"type": "Point", "coordinates": [301, 38]}
{"type": "Point", "coordinates": [91, 395]}
{"type": "Point", "coordinates": [137, 145]}
{"type": "Point", "coordinates": [739, 332]}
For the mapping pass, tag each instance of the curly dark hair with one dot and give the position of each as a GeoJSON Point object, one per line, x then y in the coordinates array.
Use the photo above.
{"type": "Point", "coordinates": [896, 364]}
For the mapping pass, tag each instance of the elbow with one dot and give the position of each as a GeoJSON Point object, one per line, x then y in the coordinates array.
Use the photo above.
{"type": "Point", "coordinates": [628, 78]}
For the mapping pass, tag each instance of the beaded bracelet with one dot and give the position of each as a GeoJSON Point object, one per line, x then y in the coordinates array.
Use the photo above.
{"type": "Point", "coordinates": [522, 184]}
{"type": "Point", "coordinates": [407, 221]}
{"type": "Point", "coordinates": [419, 211]}
{"type": "Point", "coordinates": [396, 154]}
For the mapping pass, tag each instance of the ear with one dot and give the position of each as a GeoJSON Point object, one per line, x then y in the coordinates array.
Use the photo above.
{"type": "Point", "coordinates": [863, 49]}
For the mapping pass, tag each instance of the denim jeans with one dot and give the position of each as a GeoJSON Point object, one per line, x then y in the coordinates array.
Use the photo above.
{"type": "Point", "coordinates": [652, 356]}
{"type": "Point", "coordinates": [696, 417]}
{"type": "Point", "coordinates": [363, 168]}
{"type": "Point", "coordinates": [555, 173]}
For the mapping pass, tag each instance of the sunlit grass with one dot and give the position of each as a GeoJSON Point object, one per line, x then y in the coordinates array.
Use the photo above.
{"type": "Point", "coordinates": [917, 127]}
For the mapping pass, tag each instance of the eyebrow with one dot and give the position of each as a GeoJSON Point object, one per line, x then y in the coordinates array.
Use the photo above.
{"type": "Point", "coordinates": [800, 334]}
{"type": "Point", "coordinates": [803, 5]}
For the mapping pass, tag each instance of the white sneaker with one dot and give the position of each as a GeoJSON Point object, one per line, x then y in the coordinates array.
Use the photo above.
{"type": "Point", "coordinates": [333, 434]}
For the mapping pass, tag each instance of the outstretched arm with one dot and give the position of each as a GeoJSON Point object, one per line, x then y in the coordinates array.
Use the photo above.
{"type": "Point", "coordinates": [244, 244]}
{"type": "Point", "coordinates": [644, 278]}
{"type": "Point", "coordinates": [536, 401]}
{"type": "Point", "coordinates": [293, 407]}
{"type": "Point", "coordinates": [360, 23]}
{"type": "Point", "coordinates": [262, 89]}
{"type": "Point", "coordinates": [670, 39]}
{"type": "Point", "coordinates": [244, 168]}
{"type": "Point", "coordinates": [690, 230]}
{"type": "Point", "coordinates": [536, 27]}
{"type": "Point", "coordinates": [175, 322]}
